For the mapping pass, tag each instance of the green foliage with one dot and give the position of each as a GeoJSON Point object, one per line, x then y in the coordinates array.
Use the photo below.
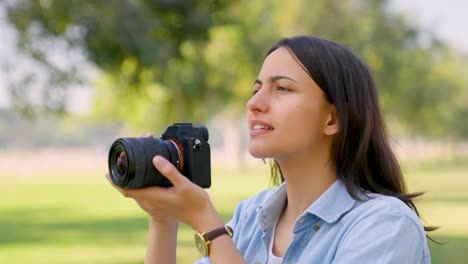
{"type": "Point", "coordinates": [164, 61]}
{"type": "Point", "coordinates": [149, 31]}
{"type": "Point", "coordinates": [419, 79]}
{"type": "Point", "coordinates": [154, 36]}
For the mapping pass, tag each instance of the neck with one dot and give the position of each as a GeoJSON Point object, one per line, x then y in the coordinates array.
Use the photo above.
{"type": "Point", "coordinates": [307, 177]}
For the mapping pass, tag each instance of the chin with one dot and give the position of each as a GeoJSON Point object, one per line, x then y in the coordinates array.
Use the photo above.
{"type": "Point", "coordinates": [259, 153]}
{"type": "Point", "coordinates": [258, 156]}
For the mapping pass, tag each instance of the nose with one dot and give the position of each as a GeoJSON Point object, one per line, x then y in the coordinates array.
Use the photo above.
{"type": "Point", "coordinates": [258, 102]}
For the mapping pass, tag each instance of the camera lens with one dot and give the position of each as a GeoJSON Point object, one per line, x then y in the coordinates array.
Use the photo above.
{"type": "Point", "coordinates": [121, 163]}
{"type": "Point", "coordinates": [131, 161]}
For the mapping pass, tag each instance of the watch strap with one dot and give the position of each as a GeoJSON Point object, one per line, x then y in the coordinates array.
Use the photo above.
{"type": "Point", "coordinates": [210, 236]}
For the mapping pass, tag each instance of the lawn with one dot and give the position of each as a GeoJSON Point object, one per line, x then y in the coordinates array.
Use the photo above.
{"type": "Point", "coordinates": [72, 215]}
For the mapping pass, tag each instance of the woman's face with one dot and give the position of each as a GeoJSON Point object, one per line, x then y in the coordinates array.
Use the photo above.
{"type": "Point", "coordinates": [288, 113]}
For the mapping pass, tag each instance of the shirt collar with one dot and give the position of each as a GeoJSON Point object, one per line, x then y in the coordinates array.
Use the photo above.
{"type": "Point", "coordinates": [330, 206]}
{"type": "Point", "coordinates": [270, 210]}
{"type": "Point", "coordinates": [333, 203]}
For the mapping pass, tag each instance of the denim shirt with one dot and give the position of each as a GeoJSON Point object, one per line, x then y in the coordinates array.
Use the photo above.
{"type": "Point", "coordinates": [333, 229]}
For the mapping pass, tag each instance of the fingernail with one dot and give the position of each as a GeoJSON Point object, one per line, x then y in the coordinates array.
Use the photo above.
{"type": "Point", "coordinates": [158, 160]}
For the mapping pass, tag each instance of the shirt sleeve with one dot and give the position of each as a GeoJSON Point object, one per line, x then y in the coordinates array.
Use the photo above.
{"type": "Point", "coordinates": [389, 237]}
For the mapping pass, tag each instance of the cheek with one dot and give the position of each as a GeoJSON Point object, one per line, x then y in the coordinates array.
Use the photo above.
{"type": "Point", "coordinates": [302, 117]}
{"type": "Point", "coordinates": [303, 124]}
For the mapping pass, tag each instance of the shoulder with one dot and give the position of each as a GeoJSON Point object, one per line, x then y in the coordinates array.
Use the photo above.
{"type": "Point", "coordinates": [387, 226]}
{"type": "Point", "coordinates": [386, 207]}
{"type": "Point", "coordinates": [386, 212]}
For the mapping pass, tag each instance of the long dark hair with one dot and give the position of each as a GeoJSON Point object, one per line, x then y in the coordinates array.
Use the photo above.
{"type": "Point", "coordinates": [361, 148]}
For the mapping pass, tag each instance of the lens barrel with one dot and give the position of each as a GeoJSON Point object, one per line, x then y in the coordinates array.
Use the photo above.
{"type": "Point", "coordinates": [131, 161]}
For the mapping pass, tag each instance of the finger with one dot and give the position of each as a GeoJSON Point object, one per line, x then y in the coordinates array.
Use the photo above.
{"type": "Point", "coordinates": [169, 171]}
{"type": "Point", "coordinates": [139, 194]}
{"type": "Point", "coordinates": [124, 192]}
{"type": "Point", "coordinates": [132, 193]}
{"type": "Point", "coordinates": [108, 177]}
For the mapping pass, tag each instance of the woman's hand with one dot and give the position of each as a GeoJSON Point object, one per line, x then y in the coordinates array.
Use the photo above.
{"type": "Point", "coordinates": [143, 203]}
{"type": "Point", "coordinates": [185, 201]}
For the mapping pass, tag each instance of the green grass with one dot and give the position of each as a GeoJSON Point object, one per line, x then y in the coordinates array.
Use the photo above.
{"type": "Point", "coordinates": [445, 205]}
{"type": "Point", "coordinates": [62, 216]}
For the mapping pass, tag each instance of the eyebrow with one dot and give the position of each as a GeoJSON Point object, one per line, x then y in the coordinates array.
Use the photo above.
{"type": "Point", "coordinates": [275, 78]}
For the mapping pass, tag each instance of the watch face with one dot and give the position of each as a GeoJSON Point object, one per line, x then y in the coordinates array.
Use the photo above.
{"type": "Point", "coordinates": [200, 244]}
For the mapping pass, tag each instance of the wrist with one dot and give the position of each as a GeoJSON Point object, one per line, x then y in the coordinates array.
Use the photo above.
{"type": "Point", "coordinates": [204, 241]}
{"type": "Point", "coordinates": [163, 222]}
{"type": "Point", "coordinates": [208, 222]}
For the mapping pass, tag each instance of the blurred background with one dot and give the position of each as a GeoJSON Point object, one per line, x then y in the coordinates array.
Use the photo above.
{"type": "Point", "coordinates": [75, 75]}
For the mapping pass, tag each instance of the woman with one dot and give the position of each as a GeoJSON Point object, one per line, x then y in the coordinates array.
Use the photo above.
{"type": "Point", "coordinates": [315, 112]}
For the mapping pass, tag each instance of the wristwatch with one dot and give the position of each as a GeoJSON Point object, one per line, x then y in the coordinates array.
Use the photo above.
{"type": "Point", "coordinates": [203, 241]}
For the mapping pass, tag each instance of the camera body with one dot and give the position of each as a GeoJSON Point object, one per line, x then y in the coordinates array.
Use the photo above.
{"type": "Point", "coordinates": [192, 142]}
{"type": "Point", "coordinates": [183, 144]}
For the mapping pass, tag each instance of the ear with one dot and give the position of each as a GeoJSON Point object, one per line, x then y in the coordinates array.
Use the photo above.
{"type": "Point", "coordinates": [331, 123]}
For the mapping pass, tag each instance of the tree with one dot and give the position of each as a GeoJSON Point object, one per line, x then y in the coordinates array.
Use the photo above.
{"type": "Point", "coordinates": [419, 81]}
{"type": "Point", "coordinates": [139, 40]}
{"type": "Point", "coordinates": [164, 61]}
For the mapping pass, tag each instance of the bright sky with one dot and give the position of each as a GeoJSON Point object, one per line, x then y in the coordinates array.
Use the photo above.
{"type": "Point", "coordinates": [447, 18]}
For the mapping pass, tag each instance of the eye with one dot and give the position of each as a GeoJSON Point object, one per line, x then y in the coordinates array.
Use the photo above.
{"type": "Point", "coordinates": [255, 91]}
{"type": "Point", "coordinates": [283, 89]}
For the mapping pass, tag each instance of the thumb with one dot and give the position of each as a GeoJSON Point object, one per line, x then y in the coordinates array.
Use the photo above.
{"type": "Point", "coordinates": [169, 171]}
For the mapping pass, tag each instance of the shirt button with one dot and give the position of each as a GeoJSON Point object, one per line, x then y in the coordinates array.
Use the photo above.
{"type": "Point", "coordinates": [316, 228]}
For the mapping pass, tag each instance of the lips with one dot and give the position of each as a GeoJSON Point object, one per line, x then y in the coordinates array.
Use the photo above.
{"type": "Point", "coordinates": [258, 127]}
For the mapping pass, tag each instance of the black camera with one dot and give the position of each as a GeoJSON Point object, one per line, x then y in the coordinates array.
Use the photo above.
{"type": "Point", "coordinates": [184, 145]}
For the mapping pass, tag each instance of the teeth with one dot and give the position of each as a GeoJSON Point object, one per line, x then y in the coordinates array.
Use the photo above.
{"type": "Point", "coordinates": [255, 127]}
